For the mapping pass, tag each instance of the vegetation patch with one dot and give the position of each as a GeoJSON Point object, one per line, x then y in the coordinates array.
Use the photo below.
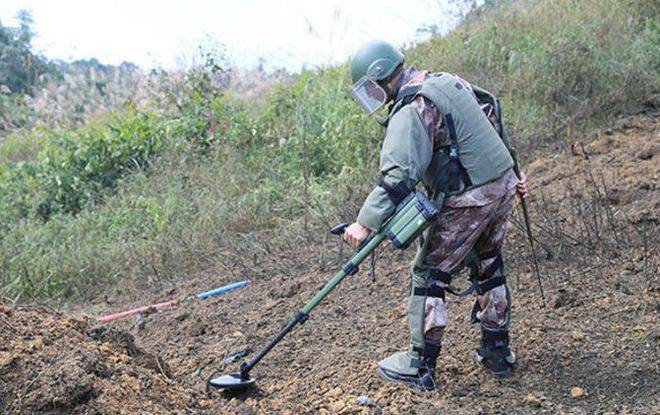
{"type": "Point", "coordinates": [206, 179]}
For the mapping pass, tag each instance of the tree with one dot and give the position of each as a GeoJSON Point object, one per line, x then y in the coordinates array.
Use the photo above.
{"type": "Point", "coordinates": [20, 68]}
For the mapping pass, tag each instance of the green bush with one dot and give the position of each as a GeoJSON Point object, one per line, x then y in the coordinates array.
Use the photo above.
{"type": "Point", "coordinates": [75, 168]}
{"type": "Point", "coordinates": [14, 111]}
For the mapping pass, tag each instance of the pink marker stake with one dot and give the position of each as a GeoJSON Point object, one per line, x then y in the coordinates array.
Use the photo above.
{"type": "Point", "coordinates": [159, 306]}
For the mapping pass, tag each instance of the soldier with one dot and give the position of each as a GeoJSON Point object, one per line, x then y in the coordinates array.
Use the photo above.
{"type": "Point", "coordinates": [446, 134]}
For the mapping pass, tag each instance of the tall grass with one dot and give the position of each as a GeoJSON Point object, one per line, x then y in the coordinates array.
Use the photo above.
{"type": "Point", "coordinates": [561, 67]}
{"type": "Point", "coordinates": [229, 184]}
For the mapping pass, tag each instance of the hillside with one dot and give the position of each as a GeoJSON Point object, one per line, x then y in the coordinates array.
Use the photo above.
{"type": "Point", "coordinates": [175, 187]}
{"type": "Point", "coordinates": [118, 192]}
{"type": "Point", "coordinates": [598, 332]}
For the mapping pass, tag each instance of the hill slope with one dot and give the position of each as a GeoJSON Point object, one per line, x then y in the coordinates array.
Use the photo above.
{"type": "Point", "coordinates": [599, 332]}
{"type": "Point", "coordinates": [187, 184]}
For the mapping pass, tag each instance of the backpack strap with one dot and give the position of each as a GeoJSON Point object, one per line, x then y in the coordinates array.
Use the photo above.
{"type": "Point", "coordinates": [457, 171]}
{"type": "Point", "coordinates": [407, 94]}
{"type": "Point", "coordinates": [484, 96]}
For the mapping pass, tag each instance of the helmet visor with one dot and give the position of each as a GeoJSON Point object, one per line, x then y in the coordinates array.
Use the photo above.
{"type": "Point", "coordinates": [368, 94]}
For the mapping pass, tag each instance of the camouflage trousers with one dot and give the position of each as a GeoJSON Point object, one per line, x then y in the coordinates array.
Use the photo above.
{"type": "Point", "coordinates": [459, 231]}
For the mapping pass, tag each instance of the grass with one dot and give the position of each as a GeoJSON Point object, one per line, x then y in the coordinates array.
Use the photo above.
{"type": "Point", "coordinates": [235, 185]}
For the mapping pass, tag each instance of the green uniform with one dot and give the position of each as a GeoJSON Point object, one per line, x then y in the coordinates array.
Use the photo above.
{"type": "Point", "coordinates": [415, 150]}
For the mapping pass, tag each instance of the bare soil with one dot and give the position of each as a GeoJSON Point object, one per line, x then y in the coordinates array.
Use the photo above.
{"type": "Point", "coordinates": [592, 349]}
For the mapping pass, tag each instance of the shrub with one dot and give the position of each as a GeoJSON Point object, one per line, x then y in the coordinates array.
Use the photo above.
{"type": "Point", "coordinates": [75, 168]}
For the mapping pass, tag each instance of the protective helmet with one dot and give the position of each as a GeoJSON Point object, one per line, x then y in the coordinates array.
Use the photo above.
{"type": "Point", "coordinates": [375, 62]}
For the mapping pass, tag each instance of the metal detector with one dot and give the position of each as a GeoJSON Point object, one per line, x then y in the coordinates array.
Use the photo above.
{"type": "Point", "coordinates": [412, 216]}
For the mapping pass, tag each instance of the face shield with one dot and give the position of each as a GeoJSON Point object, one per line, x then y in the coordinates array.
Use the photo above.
{"type": "Point", "coordinates": [368, 94]}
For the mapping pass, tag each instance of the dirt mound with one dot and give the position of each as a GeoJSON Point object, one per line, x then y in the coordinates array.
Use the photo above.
{"type": "Point", "coordinates": [51, 363]}
{"type": "Point", "coordinates": [594, 349]}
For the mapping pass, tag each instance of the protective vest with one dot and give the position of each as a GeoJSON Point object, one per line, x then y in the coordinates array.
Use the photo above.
{"type": "Point", "coordinates": [474, 154]}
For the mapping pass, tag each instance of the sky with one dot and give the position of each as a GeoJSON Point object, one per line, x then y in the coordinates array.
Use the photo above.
{"type": "Point", "coordinates": [289, 34]}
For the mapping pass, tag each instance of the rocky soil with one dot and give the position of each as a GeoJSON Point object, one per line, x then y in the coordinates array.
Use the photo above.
{"type": "Point", "coordinates": [593, 348]}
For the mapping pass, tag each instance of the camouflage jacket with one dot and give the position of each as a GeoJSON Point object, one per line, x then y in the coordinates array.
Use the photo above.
{"type": "Point", "coordinates": [405, 157]}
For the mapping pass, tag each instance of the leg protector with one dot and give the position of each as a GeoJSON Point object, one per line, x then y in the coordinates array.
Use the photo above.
{"type": "Point", "coordinates": [416, 367]}
{"type": "Point", "coordinates": [477, 310]}
{"type": "Point", "coordinates": [494, 353]}
{"type": "Point", "coordinates": [492, 277]}
{"type": "Point", "coordinates": [416, 308]}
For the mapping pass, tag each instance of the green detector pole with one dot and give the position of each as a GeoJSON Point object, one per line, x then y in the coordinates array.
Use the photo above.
{"type": "Point", "coordinates": [302, 314]}
{"type": "Point", "coordinates": [408, 215]}
{"type": "Point", "coordinates": [350, 268]}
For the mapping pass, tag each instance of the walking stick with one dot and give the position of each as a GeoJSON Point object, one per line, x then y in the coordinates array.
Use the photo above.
{"type": "Point", "coordinates": [528, 227]}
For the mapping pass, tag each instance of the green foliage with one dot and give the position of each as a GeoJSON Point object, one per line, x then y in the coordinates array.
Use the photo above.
{"type": "Point", "coordinates": [14, 111]}
{"type": "Point", "coordinates": [76, 168]}
{"type": "Point", "coordinates": [228, 183]}
{"type": "Point", "coordinates": [315, 113]}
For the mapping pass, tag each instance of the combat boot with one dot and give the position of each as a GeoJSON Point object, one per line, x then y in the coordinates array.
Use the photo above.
{"type": "Point", "coordinates": [418, 373]}
{"type": "Point", "coordinates": [494, 353]}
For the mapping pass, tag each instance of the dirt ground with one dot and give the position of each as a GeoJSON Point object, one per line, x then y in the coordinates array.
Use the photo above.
{"type": "Point", "coordinates": [592, 350]}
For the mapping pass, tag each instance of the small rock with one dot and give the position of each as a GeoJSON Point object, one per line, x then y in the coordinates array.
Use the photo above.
{"type": "Point", "coordinates": [6, 359]}
{"type": "Point", "coordinates": [182, 316]}
{"type": "Point", "coordinates": [645, 186]}
{"type": "Point", "coordinates": [334, 392]}
{"type": "Point", "coordinates": [131, 382]}
{"type": "Point", "coordinates": [6, 310]}
{"type": "Point", "coordinates": [577, 392]}
{"type": "Point", "coordinates": [195, 328]}
{"type": "Point", "coordinates": [532, 400]}
{"type": "Point", "coordinates": [655, 334]}
{"type": "Point", "coordinates": [648, 152]}
{"type": "Point", "coordinates": [232, 357]}
{"type": "Point", "coordinates": [365, 401]}
{"type": "Point", "coordinates": [244, 409]}
{"type": "Point", "coordinates": [577, 335]}
{"type": "Point", "coordinates": [460, 392]}
{"type": "Point", "coordinates": [565, 298]}
{"type": "Point", "coordinates": [287, 290]}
